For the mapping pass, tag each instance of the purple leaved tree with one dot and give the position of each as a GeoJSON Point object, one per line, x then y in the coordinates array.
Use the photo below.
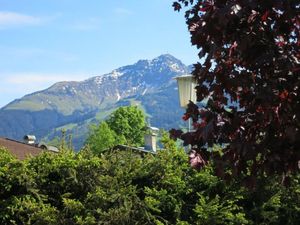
{"type": "Point", "coordinates": [250, 79]}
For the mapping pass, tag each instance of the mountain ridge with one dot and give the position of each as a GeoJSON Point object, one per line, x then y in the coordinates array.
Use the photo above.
{"type": "Point", "coordinates": [76, 102]}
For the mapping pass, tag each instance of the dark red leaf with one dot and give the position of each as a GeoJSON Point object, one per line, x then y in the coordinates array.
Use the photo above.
{"type": "Point", "coordinates": [265, 16]}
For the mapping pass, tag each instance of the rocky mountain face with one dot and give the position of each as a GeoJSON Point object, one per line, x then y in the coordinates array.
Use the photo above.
{"type": "Point", "coordinates": [73, 105]}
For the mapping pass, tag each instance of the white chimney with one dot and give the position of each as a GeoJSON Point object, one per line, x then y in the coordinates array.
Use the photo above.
{"type": "Point", "coordinates": [29, 139]}
{"type": "Point", "coordinates": [150, 138]}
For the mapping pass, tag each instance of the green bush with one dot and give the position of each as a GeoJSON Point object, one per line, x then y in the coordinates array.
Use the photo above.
{"type": "Point", "coordinates": [124, 187]}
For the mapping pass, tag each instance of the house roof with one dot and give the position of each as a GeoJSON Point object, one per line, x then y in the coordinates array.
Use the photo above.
{"type": "Point", "coordinates": [135, 149]}
{"type": "Point", "coordinates": [20, 150]}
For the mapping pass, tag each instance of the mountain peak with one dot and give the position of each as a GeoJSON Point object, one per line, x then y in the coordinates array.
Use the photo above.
{"type": "Point", "coordinates": [169, 62]}
{"type": "Point", "coordinates": [162, 59]}
{"type": "Point", "coordinates": [69, 103]}
{"type": "Point", "coordinates": [166, 57]}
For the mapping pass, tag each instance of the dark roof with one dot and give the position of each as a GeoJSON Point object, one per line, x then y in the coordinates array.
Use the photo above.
{"type": "Point", "coordinates": [135, 149]}
{"type": "Point", "coordinates": [18, 149]}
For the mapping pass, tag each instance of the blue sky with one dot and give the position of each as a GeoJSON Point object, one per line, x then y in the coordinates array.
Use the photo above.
{"type": "Point", "coordinates": [45, 41]}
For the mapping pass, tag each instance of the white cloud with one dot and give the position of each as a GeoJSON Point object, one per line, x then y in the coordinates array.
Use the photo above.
{"type": "Point", "coordinates": [12, 19]}
{"type": "Point", "coordinates": [16, 85]}
{"type": "Point", "coordinates": [89, 24]}
{"type": "Point", "coordinates": [123, 11]}
{"type": "Point", "coordinates": [31, 53]}
{"type": "Point", "coordinates": [35, 79]}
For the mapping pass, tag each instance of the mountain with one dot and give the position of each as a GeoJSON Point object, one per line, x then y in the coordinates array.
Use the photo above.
{"type": "Point", "coordinates": [74, 105]}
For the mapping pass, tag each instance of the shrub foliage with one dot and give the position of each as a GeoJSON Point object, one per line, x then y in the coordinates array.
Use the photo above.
{"type": "Point", "coordinates": [121, 187]}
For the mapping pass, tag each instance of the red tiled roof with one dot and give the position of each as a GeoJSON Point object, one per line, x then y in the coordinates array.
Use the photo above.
{"type": "Point", "coordinates": [18, 149]}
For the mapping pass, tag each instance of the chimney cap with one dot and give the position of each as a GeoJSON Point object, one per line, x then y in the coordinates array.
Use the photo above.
{"type": "Point", "coordinates": [29, 137]}
{"type": "Point", "coordinates": [44, 146]}
{"type": "Point", "coordinates": [153, 128]}
{"type": "Point", "coordinates": [151, 131]}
